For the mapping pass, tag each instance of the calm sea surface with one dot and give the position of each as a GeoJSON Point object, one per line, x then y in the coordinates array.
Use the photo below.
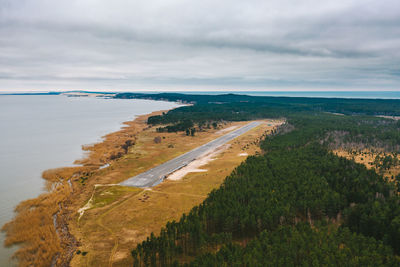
{"type": "Point", "coordinates": [43, 132]}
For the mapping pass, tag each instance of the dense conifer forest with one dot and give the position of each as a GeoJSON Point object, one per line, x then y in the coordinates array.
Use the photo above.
{"type": "Point", "coordinates": [297, 203]}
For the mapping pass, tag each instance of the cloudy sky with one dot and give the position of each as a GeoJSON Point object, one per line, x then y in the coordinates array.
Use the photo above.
{"type": "Point", "coordinates": [199, 45]}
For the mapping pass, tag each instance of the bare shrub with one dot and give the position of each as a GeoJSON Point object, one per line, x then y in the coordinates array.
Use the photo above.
{"type": "Point", "coordinates": [157, 139]}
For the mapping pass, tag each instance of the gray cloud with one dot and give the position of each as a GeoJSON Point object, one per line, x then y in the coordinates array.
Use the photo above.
{"type": "Point", "coordinates": [176, 44]}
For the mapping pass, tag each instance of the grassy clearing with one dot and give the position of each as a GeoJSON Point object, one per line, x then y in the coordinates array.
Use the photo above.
{"type": "Point", "coordinates": [107, 195]}
{"type": "Point", "coordinates": [119, 217]}
{"type": "Point", "coordinates": [109, 231]}
{"type": "Point", "coordinates": [368, 157]}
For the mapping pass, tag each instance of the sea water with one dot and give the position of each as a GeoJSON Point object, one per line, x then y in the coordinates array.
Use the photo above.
{"type": "Point", "coordinates": [47, 131]}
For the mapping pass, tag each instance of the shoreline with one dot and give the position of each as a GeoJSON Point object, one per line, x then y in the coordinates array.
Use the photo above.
{"type": "Point", "coordinates": [52, 211]}
{"type": "Point", "coordinates": [121, 217]}
{"type": "Point", "coordinates": [48, 228]}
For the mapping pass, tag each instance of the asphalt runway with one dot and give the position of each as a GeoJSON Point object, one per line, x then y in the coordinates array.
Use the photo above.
{"type": "Point", "coordinates": [157, 174]}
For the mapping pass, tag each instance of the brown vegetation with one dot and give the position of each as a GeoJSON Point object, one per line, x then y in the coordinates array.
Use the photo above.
{"type": "Point", "coordinates": [157, 139]}
{"type": "Point", "coordinates": [372, 158]}
{"type": "Point", "coordinates": [34, 229]}
{"type": "Point", "coordinates": [108, 232]}
{"type": "Point", "coordinates": [41, 225]}
{"type": "Point", "coordinates": [47, 228]}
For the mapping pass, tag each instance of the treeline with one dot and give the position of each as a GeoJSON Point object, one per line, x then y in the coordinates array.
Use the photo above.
{"type": "Point", "coordinates": [386, 162]}
{"type": "Point", "coordinates": [179, 126]}
{"type": "Point", "coordinates": [206, 113]}
{"type": "Point", "coordinates": [302, 245]}
{"type": "Point", "coordinates": [389, 107]}
{"type": "Point", "coordinates": [282, 188]}
{"type": "Point", "coordinates": [347, 132]}
{"type": "Point", "coordinates": [357, 130]}
{"type": "Point", "coordinates": [297, 204]}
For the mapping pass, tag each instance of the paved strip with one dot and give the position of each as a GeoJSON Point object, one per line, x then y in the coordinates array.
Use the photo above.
{"type": "Point", "coordinates": [157, 174]}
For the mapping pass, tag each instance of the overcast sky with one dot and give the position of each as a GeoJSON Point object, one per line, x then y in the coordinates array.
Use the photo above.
{"type": "Point", "coordinates": [199, 45]}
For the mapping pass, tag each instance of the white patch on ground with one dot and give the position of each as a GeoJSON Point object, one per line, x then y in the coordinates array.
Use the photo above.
{"type": "Point", "coordinates": [335, 113]}
{"type": "Point", "coordinates": [104, 166]}
{"type": "Point", "coordinates": [389, 117]}
{"type": "Point", "coordinates": [243, 154]}
{"type": "Point", "coordinates": [227, 129]}
{"type": "Point", "coordinates": [195, 165]}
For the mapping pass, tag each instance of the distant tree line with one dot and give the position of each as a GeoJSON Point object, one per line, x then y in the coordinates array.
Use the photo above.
{"type": "Point", "coordinates": [295, 204]}
{"type": "Point", "coordinates": [388, 107]}
{"type": "Point", "coordinates": [177, 127]}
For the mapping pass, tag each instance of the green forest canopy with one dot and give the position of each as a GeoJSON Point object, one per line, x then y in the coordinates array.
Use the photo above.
{"type": "Point", "coordinates": [296, 204]}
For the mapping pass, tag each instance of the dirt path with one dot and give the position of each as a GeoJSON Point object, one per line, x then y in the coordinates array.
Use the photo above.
{"type": "Point", "coordinates": [113, 235]}
{"type": "Point", "coordinates": [182, 194]}
{"type": "Point", "coordinates": [115, 225]}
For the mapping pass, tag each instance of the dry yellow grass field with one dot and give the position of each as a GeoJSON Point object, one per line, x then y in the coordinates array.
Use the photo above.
{"type": "Point", "coordinates": [367, 157]}
{"type": "Point", "coordinates": [116, 218]}
{"type": "Point", "coordinates": [41, 225]}
{"type": "Point", "coordinates": [121, 217]}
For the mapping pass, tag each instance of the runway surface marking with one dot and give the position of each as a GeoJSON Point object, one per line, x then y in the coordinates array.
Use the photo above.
{"type": "Point", "coordinates": [157, 174]}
